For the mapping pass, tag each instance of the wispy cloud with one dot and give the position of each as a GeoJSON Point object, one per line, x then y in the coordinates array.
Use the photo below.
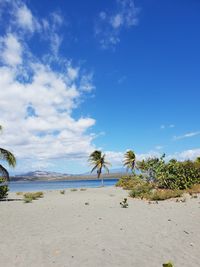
{"type": "Point", "coordinates": [167, 126]}
{"type": "Point", "coordinates": [187, 135]}
{"type": "Point", "coordinates": [110, 24]}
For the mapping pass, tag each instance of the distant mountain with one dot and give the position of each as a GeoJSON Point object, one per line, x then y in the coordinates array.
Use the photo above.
{"type": "Point", "coordinates": [53, 176]}
{"type": "Point", "coordinates": [42, 174]}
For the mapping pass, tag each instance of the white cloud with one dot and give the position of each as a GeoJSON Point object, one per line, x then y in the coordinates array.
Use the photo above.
{"type": "Point", "coordinates": [37, 101]}
{"type": "Point", "coordinates": [167, 126]}
{"type": "Point", "coordinates": [25, 18]}
{"type": "Point", "coordinates": [110, 24]}
{"type": "Point", "coordinates": [11, 50]}
{"type": "Point", "coordinates": [117, 21]}
{"type": "Point", "coordinates": [190, 154]}
{"type": "Point", "coordinates": [187, 135]}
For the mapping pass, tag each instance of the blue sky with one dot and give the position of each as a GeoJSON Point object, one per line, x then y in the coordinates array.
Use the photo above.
{"type": "Point", "coordinates": [83, 75]}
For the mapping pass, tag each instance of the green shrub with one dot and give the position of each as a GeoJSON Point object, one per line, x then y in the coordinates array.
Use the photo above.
{"type": "Point", "coordinates": [169, 264]}
{"type": "Point", "coordinates": [39, 194]}
{"type": "Point", "coordinates": [195, 189]}
{"type": "Point", "coordinates": [62, 192]}
{"type": "Point", "coordinates": [158, 195]}
{"type": "Point", "coordinates": [34, 195]}
{"type": "Point", "coordinates": [171, 175]}
{"type": "Point", "coordinates": [141, 190]}
{"type": "Point", "coordinates": [3, 189]}
{"type": "Point", "coordinates": [28, 199]}
{"type": "Point", "coordinates": [74, 189]}
{"type": "Point", "coordinates": [129, 182]}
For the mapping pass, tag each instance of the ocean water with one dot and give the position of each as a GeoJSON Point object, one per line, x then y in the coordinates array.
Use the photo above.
{"type": "Point", "coordinates": [57, 185]}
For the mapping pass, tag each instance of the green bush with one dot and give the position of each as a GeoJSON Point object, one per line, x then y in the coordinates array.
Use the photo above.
{"type": "Point", "coordinates": [74, 190]}
{"type": "Point", "coordinates": [141, 190]}
{"type": "Point", "coordinates": [28, 199]}
{"type": "Point", "coordinates": [3, 189]}
{"type": "Point", "coordinates": [62, 192]}
{"type": "Point", "coordinates": [172, 175]}
{"type": "Point", "coordinates": [169, 264]}
{"type": "Point", "coordinates": [159, 195]}
{"type": "Point", "coordinates": [33, 196]}
{"type": "Point", "coordinates": [129, 182]}
{"type": "Point", "coordinates": [178, 175]}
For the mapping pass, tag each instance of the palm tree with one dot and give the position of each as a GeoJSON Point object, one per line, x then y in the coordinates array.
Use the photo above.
{"type": "Point", "coordinates": [97, 160]}
{"type": "Point", "coordinates": [7, 156]}
{"type": "Point", "coordinates": [129, 160]}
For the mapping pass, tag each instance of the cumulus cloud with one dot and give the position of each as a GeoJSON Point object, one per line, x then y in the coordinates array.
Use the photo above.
{"type": "Point", "coordinates": [11, 50]}
{"type": "Point", "coordinates": [190, 154]}
{"type": "Point", "coordinates": [25, 18]}
{"type": "Point", "coordinates": [38, 97]}
{"type": "Point", "coordinates": [110, 24]}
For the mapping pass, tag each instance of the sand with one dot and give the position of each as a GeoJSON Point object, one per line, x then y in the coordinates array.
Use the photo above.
{"type": "Point", "coordinates": [62, 231]}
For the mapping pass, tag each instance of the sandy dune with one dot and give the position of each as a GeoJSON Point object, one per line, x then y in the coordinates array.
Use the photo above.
{"type": "Point", "coordinates": [60, 230]}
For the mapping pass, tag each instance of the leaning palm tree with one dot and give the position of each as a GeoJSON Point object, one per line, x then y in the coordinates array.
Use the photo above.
{"type": "Point", "coordinates": [129, 160]}
{"type": "Point", "coordinates": [7, 156]}
{"type": "Point", "coordinates": [97, 160]}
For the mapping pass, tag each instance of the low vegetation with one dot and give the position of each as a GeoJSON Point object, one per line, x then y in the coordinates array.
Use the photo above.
{"type": "Point", "coordinates": [169, 264]}
{"type": "Point", "coordinates": [74, 190]}
{"type": "Point", "coordinates": [62, 192]}
{"type": "Point", "coordinates": [160, 180]}
{"type": "Point", "coordinates": [3, 189]}
{"type": "Point", "coordinates": [29, 197]}
{"type": "Point", "coordinates": [124, 203]}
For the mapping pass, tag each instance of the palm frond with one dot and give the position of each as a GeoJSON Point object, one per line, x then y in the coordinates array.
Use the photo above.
{"type": "Point", "coordinates": [8, 157]}
{"type": "Point", "coordinates": [4, 173]}
{"type": "Point", "coordinates": [95, 167]}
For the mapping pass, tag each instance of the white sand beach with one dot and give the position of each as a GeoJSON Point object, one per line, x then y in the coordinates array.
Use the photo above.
{"type": "Point", "coordinates": [62, 231]}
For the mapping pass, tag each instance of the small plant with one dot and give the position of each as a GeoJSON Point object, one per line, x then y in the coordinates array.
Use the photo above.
{"type": "Point", "coordinates": [124, 203]}
{"type": "Point", "coordinates": [83, 189]}
{"type": "Point", "coordinates": [33, 196]}
{"type": "Point", "coordinates": [62, 192]}
{"type": "Point", "coordinates": [169, 264]}
{"type": "Point", "coordinates": [39, 194]}
{"type": "Point", "coordinates": [28, 199]}
{"type": "Point", "coordinates": [74, 189]}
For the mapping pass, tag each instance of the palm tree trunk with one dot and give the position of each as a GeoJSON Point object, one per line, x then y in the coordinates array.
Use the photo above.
{"type": "Point", "coordinates": [99, 174]}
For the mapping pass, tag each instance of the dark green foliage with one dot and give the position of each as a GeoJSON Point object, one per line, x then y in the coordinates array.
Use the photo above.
{"type": "Point", "coordinates": [129, 160]}
{"type": "Point", "coordinates": [169, 264]}
{"type": "Point", "coordinates": [160, 180]}
{"type": "Point", "coordinates": [3, 189]}
{"type": "Point", "coordinates": [171, 175]}
{"type": "Point", "coordinates": [141, 190]}
{"type": "Point", "coordinates": [129, 182]}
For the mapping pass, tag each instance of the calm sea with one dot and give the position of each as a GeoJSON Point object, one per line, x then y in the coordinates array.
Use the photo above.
{"type": "Point", "coordinates": [53, 185]}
